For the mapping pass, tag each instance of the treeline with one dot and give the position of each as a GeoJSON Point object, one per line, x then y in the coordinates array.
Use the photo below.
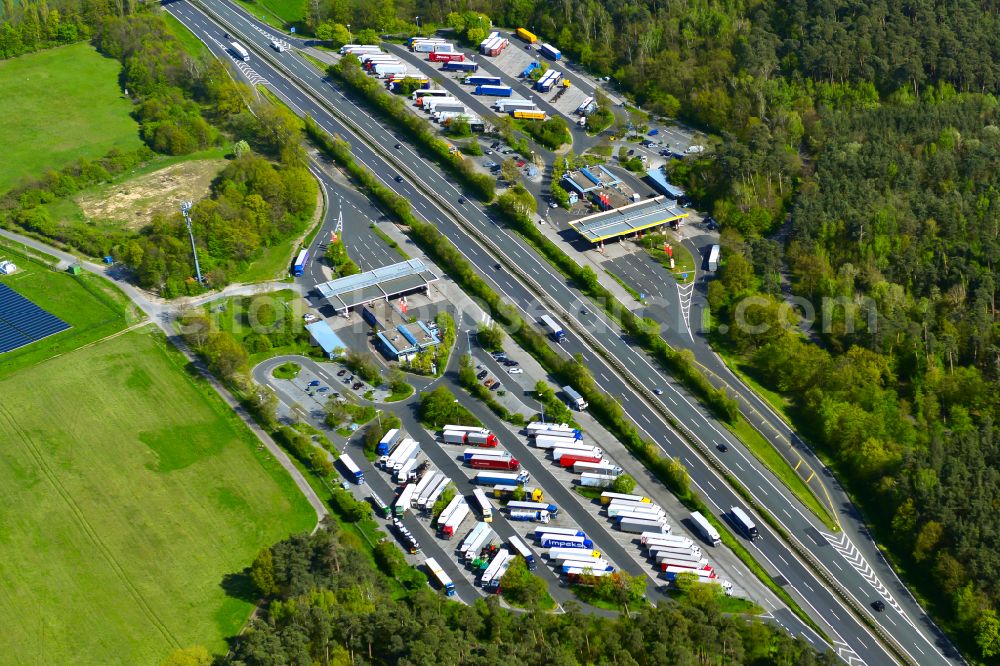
{"type": "Point", "coordinates": [33, 25]}
{"type": "Point", "coordinates": [328, 605]}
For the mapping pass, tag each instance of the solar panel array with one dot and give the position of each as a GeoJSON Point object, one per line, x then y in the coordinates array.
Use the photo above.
{"type": "Point", "coordinates": [22, 322]}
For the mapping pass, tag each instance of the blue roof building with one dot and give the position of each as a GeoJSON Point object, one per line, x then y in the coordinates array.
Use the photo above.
{"type": "Point", "coordinates": [411, 339]}
{"type": "Point", "coordinates": [321, 335]}
{"type": "Point", "coordinates": [658, 179]}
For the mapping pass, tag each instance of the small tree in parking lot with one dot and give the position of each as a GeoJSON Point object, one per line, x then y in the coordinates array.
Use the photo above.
{"type": "Point", "coordinates": [624, 484]}
{"type": "Point", "coordinates": [490, 336]}
{"type": "Point", "coordinates": [509, 171]}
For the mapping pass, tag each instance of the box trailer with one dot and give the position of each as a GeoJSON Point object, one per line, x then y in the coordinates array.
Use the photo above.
{"type": "Point", "coordinates": [489, 478]}
{"type": "Point", "coordinates": [564, 541]}
{"type": "Point", "coordinates": [743, 523]}
{"type": "Point", "coordinates": [482, 80]}
{"type": "Point", "coordinates": [428, 503]}
{"type": "Point", "coordinates": [558, 530]}
{"type": "Point", "coordinates": [593, 480]}
{"type": "Point", "coordinates": [385, 70]}
{"type": "Point", "coordinates": [650, 539]}
{"type": "Point", "coordinates": [468, 454]}
{"type": "Point", "coordinates": [526, 36]}
{"type": "Point", "coordinates": [353, 472]}
{"type": "Point", "coordinates": [495, 564]}
{"type": "Point", "coordinates": [358, 49]}
{"type": "Point", "coordinates": [507, 105]}
{"type": "Point", "coordinates": [538, 427]}
{"type": "Point", "coordinates": [389, 442]}
{"type": "Point", "coordinates": [570, 458]}
{"type": "Point", "coordinates": [550, 51]}
{"type": "Point", "coordinates": [528, 114]}
{"type": "Point", "coordinates": [449, 509]}
{"type": "Point", "coordinates": [671, 574]}
{"type": "Point", "coordinates": [522, 549]}
{"type": "Point", "coordinates": [534, 506]}
{"type": "Point", "coordinates": [494, 90]}
{"type": "Point", "coordinates": [405, 499]}
{"type": "Point", "coordinates": [602, 467]}
{"type": "Point", "coordinates": [439, 56]}
{"type": "Point", "coordinates": [606, 498]}
{"type": "Point", "coordinates": [454, 521]}
{"type": "Point", "coordinates": [574, 399]}
{"type": "Point", "coordinates": [454, 66]}
{"type": "Point", "coordinates": [592, 453]}
{"type": "Point", "coordinates": [640, 525]}
{"type": "Point", "coordinates": [705, 529]}
{"type": "Point", "coordinates": [239, 51]}
{"type": "Point", "coordinates": [654, 512]}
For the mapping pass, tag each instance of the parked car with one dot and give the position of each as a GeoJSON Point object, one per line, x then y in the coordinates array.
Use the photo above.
{"type": "Point", "coordinates": [654, 132]}
{"type": "Point", "coordinates": [398, 146]}
{"type": "Point", "coordinates": [342, 373]}
{"type": "Point", "coordinates": [521, 163]}
{"type": "Point", "coordinates": [499, 356]}
{"type": "Point", "coordinates": [515, 371]}
{"type": "Point", "coordinates": [489, 382]}
{"type": "Point", "coordinates": [314, 382]}
{"type": "Point", "coordinates": [489, 164]}
{"type": "Point", "coordinates": [510, 363]}
{"type": "Point", "coordinates": [496, 386]}
{"type": "Point", "coordinates": [357, 385]}
{"type": "Point", "coordinates": [553, 204]}
{"type": "Point", "coordinates": [323, 389]}
{"type": "Point", "coordinates": [482, 375]}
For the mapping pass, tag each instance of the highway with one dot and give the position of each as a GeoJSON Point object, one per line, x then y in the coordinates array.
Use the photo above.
{"type": "Point", "coordinates": [852, 640]}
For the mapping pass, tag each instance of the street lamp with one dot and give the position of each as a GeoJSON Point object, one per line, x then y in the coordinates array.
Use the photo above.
{"type": "Point", "coordinates": [350, 37]}
{"type": "Point", "coordinates": [418, 24]}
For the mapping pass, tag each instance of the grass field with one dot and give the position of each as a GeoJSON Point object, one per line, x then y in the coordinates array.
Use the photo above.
{"type": "Point", "coordinates": [131, 492]}
{"type": "Point", "coordinates": [278, 13]}
{"type": "Point", "coordinates": [87, 303]}
{"type": "Point", "coordinates": [59, 105]}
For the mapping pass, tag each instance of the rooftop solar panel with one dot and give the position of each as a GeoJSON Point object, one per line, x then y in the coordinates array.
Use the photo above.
{"type": "Point", "coordinates": [22, 322]}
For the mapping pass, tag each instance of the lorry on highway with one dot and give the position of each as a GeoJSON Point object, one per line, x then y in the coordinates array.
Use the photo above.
{"type": "Point", "coordinates": [482, 80]}
{"type": "Point", "coordinates": [483, 503]}
{"type": "Point", "coordinates": [743, 523]}
{"type": "Point", "coordinates": [553, 328]}
{"type": "Point", "coordinates": [353, 472]}
{"type": "Point", "coordinates": [454, 66]}
{"type": "Point", "coordinates": [602, 467]}
{"type": "Point", "coordinates": [404, 501]}
{"type": "Point", "coordinates": [550, 51]}
{"type": "Point", "coordinates": [439, 56]}
{"type": "Point", "coordinates": [486, 462]}
{"type": "Point", "coordinates": [389, 442]}
{"type": "Point", "coordinates": [564, 541]}
{"type": "Point", "coordinates": [507, 492]}
{"type": "Point", "coordinates": [494, 91]}
{"type": "Point", "coordinates": [299, 267]}
{"type": "Point", "coordinates": [522, 549]}
{"type": "Point", "coordinates": [529, 515]}
{"type": "Point", "coordinates": [713, 257]}
{"type": "Point", "coordinates": [239, 51]}
{"type": "Point", "coordinates": [705, 529]}
{"type": "Point", "coordinates": [468, 454]}
{"type": "Point", "coordinates": [593, 480]}
{"type": "Point", "coordinates": [526, 36]}
{"type": "Point", "coordinates": [574, 399]}
{"type": "Point", "coordinates": [454, 521]}
{"type": "Point", "coordinates": [534, 506]}
{"type": "Point", "coordinates": [640, 525]}
{"type": "Point", "coordinates": [489, 478]}
{"type": "Point", "coordinates": [607, 497]}
{"type": "Point", "coordinates": [438, 574]}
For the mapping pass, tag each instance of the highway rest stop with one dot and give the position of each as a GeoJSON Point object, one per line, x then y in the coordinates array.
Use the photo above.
{"type": "Point", "coordinates": [628, 220]}
{"type": "Point", "coordinates": [386, 283]}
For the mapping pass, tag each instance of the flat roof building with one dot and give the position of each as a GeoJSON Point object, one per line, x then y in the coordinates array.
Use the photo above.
{"type": "Point", "coordinates": [321, 335]}
{"type": "Point", "coordinates": [382, 283]}
{"type": "Point", "coordinates": [658, 179]}
{"type": "Point", "coordinates": [629, 220]}
{"type": "Point", "coordinates": [407, 340]}
{"type": "Point", "coordinates": [589, 179]}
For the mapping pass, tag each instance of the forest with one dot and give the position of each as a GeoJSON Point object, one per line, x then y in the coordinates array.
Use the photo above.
{"type": "Point", "coordinates": [327, 604]}
{"type": "Point", "coordinates": [853, 159]}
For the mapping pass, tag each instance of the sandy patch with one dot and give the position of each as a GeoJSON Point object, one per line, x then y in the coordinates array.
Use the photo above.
{"type": "Point", "coordinates": [134, 202]}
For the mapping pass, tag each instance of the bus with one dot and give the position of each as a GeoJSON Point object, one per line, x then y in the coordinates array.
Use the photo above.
{"type": "Point", "coordinates": [353, 471]}
{"type": "Point", "coordinates": [606, 498]}
{"type": "Point", "coordinates": [443, 579]}
{"type": "Point", "coordinates": [743, 523]}
{"type": "Point", "coordinates": [484, 505]}
{"type": "Point", "coordinates": [713, 257]}
{"type": "Point", "coordinates": [299, 268]}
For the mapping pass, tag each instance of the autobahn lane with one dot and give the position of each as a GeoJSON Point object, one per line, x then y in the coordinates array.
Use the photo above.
{"type": "Point", "coordinates": [825, 606]}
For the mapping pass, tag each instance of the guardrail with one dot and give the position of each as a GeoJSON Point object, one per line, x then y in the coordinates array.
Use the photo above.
{"type": "Point", "coordinates": [888, 641]}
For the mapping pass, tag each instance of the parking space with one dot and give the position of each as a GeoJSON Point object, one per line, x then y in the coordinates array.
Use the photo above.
{"type": "Point", "coordinates": [513, 61]}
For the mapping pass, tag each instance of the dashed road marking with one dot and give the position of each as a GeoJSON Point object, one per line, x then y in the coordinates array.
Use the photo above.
{"type": "Point", "coordinates": [850, 552]}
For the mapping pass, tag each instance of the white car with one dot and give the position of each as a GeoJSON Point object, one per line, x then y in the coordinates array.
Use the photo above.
{"type": "Point", "coordinates": [515, 371]}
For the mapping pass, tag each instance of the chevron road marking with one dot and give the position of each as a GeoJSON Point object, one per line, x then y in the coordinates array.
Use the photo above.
{"type": "Point", "coordinates": [845, 652]}
{"type": "Point", "coordinates": [248, 71]}
{"type": "Point", "coordinates": [845, 547]}
{"type": "Point", "coordinates": [285, 45]}
{"type": "Point", "coordinates": [685, 292]}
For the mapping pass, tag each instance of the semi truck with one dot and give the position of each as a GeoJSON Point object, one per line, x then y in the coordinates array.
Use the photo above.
{"type": "Point", "coordinates": [743, 523]}
{"type": "Point", "coordinates": [606, 498]}
{"type": "Point", "coordinates": [454, 66]}
{"type": "Point", "coordinates": [548, 80]}
{"type": "Point", "coordinates": [431, 92]}
{"type": "Point", "coordinates": [568, 459]}
{"type": "Point", "coordinates": [522, 549]}
{"type": "Point", "coordinates": [493, 47]}
{"type": "Point", "coordinates": [412, 451]}
{"type": "Point", "coordinates": [703, 575]}
{"type": "Point", "coordinates": [482, 81]}
{"type": "Point", "coordinates": [640, 525]}
{"type": "Point", "coordinates": [485, 462]}
{"type": "Point", "coordinates": [650, 539]}
{"type": "Point", "coordinates": [389, 442]}
{"type": "Point", "coordinates": [449, 509]}
{"type": "Point", "coordinates": [508, 105]}
{"type": "Point", "coordinates": [468, 454]}
{"type": "Point", "coordinates": [439, 56]}
{"type": "Point", "coordinates": [496, 564]}
{"type": "Point", "coordinates": [563, 554]}
{"type": "Point", "coordinates": [592, 480]}
{"type": "Point", "coordinates": [526, 36]}
{"type": "Point", "coordinates": [662, 553]}
{"type": "Point", "coordinates": [353, 472]}
{"type": "Point", "coordinates": [578, 575]}
{"type": "Point", "coordinates": [381, 506]}
{"type": "Point", "coordinates": [438, 574]}
{"type": "Point", "coordinates": [603, 467]}
{"type": "Point", "coordinates": [240, 51]}
{"type": "Point", "coordinates": [705, 529]}
{"type": "Point", "coordinates": [442, 111]}
{"type": "Point", "coordinates": [550, 51]}
{"type": "Point", "coordinates": [564, 541]}
{"type": "Point", "coordinates": [474, 541]}
{"type": "Point", "coordinates": [574, 399]}
{"type": "Point", "coordinates": [680, 564]}
{"type": "Point", "coordinates": [574, 449]}
{"type": "Point", "coordinates": [358, 49]}
{"type": "Point", "coordinates": [427, 482]}
{"type": "Point", "coordinates": [556, 441]}
{"type": "Point", "coordinates": [528, 114]}
{"type": "Point", "coordinates": [501, 478]}
{"type": "Point", "coordinates": [426, 504]}
{"type": "Point", "coordinates": [455, 520]}
{"type": "Point", "coordinates": [405, 500]}
{"type": "Point", "coordinates": [429, 104]}
{"type": "Point", "coordinates": [507, 492]}
{"type": "Point", "coordinates": [554, 329]}
{"type": "Point", "coordinates": [483, 502]}
{"type": "Point", "coordinates": [565, 531]}
{"type": "Point", "coordinates": [532, 66]}
{"type": "Point", "coordinates": [299, 267]}
{"type": "Point", "coordinates": [534, 506]}
{"type": "Point", "coordinates": [713, 257]}
{"type": "Point", "coordinates": [385, 70]}
{"type": "Point", "coordinates": [527, 514]}
{"type": "Point", "coordinates": [494, 91]}
{"type": "Point", "coordinates": [433, 47]}
{"type": "Point", "coordinates": [539, 428]}
{"type": "Point", "coordinates": [483, 438]}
